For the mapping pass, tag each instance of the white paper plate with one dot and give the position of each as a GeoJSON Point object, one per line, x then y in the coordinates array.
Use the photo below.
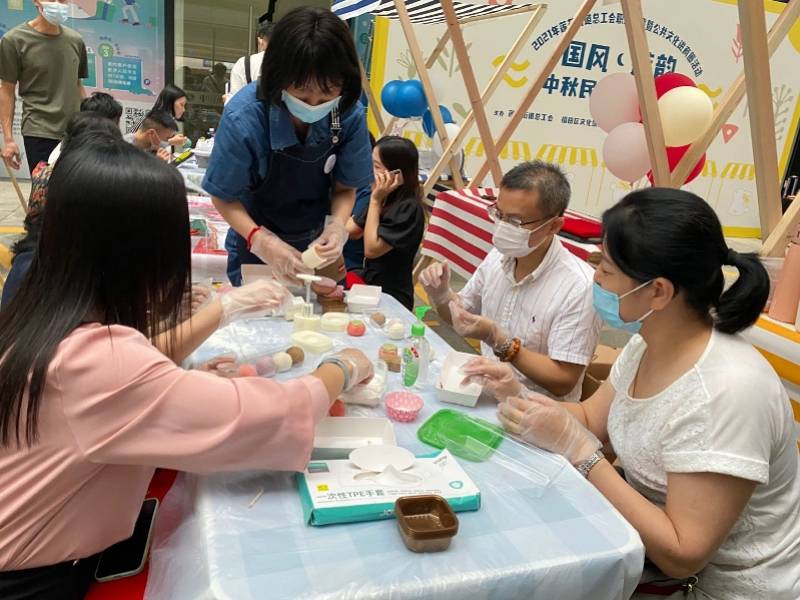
{"type": "Point", "coordinates": [377, 458]}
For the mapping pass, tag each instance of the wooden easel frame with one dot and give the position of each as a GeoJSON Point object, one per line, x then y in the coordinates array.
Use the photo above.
{"type": "Point", "coordinates": [758, 46]}
{"type": "Point", "coordinates": [477, 99]}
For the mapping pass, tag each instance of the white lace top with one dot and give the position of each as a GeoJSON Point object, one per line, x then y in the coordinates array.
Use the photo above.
{"type": "Point", "coordinates": [729, 414]}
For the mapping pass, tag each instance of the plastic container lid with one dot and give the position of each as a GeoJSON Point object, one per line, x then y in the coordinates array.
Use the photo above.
{"type": "Point", "coordinates": [467, 437]}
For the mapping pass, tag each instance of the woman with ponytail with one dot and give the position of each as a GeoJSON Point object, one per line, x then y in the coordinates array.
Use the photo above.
{"type": "Point", "coordinates": [699, 420]}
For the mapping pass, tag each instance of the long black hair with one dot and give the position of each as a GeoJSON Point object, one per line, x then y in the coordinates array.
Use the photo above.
{"type": "Point", "coordinates": [84, 126]}
{"type": "Point", "coordinates": [114, 249]}
{"type": "Point", "coordinates": [311, 45]}
{"type": "Point", "coordinates": [664, 232]}
{"type": "Point", "coordinates": [400, 153]}
{"type": "Point", "coordinates": [167, 98]}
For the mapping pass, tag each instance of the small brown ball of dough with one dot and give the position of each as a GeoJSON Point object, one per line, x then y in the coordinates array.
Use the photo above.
{"type": "Point", "coordinates": [297, 355]}
{"type": "Point", "coordinates": [378, 318]}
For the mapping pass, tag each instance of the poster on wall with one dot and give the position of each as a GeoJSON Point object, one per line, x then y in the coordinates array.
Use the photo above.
{"type": "Point", "coordinates": [125, 49]}
{"type": "Point", "coordinates": [698, 38]}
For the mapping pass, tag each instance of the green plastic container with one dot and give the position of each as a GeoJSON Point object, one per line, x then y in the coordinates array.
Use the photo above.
{"type": "Point", "coordinates": [464, 436]}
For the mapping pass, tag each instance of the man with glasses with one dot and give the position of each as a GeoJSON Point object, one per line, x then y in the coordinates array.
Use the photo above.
{"type": "Point", "coordinates": [530, 300]}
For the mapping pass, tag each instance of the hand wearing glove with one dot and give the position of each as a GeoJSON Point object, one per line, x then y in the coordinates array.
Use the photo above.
{"type": "Point", "coordinates": [543, 422]}
{"type": "Point", "coordinates": [436, 281]}
{"type": "Point", "coordinates": [475, 326]}
{"type": "Point", "coordinates": [199, 297]}
{"type": "Point", "coordinates": [498, 379]}
{"type": "Point", "coordinates": [361, 368]}
{"type": "Point", "coordinates": [257, 299]}
{"type": "Point", "coordinates": [284, 260]}
{"type": "Point", "coordinates": [222, 366]}
{"type": "Point", "coordinates": [330, 243]}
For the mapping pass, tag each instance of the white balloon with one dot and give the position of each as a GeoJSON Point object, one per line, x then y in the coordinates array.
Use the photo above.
{"type": "Point", "coordinates": [614, 101]}
{"type": "Point", "coordinates": [451, 129]}
{"type": "Point", "coordinates": [625, 152]}
{"type": "Point", "coordinates": [437, 150]}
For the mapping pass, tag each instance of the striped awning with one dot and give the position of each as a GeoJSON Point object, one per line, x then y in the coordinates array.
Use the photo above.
{"type": "Point", "coordinates": [420, 11]}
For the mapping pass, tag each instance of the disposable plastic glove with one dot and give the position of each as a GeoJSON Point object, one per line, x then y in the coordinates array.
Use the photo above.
{"type": "Point", "coordinates": [200, 296]}
{"type": "Point", "coordinates": [222, 366]}
{"type": "Point", "coordinates": [475, 326]}
{"type": "Point", "coordinates": [257, 299]}
{"type": "Point", "coordinates": [436, 281]}
{"type": "Point", "coordinates": [361, 369]}
{"type": "Point", "coordinates": [498, 379]}
{"type": "Point", "coordinates": [330, 243]}
{"type": "Point", "coordinates": [545, 423]}
{"type": "Point", "coordinates": [284, 260]}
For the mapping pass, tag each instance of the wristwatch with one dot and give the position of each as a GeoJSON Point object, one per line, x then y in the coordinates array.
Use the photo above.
{"type": "Point", "coordinates": [587, 465]}
{"type": "Point", "coordinates": [347, 369]}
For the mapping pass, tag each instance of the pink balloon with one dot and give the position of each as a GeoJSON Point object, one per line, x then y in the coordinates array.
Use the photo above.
{"type": "Point", "coordinates": [614, 101]}
{"type": "Point", "coordinates": [625, 152]}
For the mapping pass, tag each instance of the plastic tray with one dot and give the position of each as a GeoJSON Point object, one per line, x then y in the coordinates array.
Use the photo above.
{"type": "Point", "coordinates": [467, 437]}
{"type": "Point", "coordinates": [312, 342]}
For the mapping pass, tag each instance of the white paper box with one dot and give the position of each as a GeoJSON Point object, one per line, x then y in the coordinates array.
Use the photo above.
{"type": "Point", "coordinates": [449, 388]}
{"type": "Point", "coordinates": [336, 437]}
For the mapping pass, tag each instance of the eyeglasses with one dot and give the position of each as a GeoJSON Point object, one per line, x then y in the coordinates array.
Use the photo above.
{"type": "Point", "coordinates": [495, 215]}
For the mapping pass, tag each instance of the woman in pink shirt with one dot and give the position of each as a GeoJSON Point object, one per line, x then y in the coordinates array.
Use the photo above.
{"type": "Point", "coordinates": [89, 407]}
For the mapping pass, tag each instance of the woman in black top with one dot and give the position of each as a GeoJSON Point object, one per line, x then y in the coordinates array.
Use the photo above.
{"type": "Point", "coordinates": [393, 223]}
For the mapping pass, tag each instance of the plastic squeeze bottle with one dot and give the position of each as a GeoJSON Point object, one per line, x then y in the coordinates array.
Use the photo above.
{"type": "Point", "coordinates": [787, 291]}
{"type": "Point", "coordinates": [417, 356]}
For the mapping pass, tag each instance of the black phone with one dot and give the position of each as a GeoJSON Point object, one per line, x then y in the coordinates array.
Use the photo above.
{"type": "Point", "coordinates": [128, 557]}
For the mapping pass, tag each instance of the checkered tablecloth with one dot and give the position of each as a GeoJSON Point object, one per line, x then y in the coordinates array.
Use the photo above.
{"type": "Point", "coordinates": [460, 231]}
{"type": "Point", "coordinates": [529, 540]}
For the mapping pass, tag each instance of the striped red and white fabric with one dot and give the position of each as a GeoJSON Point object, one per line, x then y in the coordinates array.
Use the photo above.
{"type": "Point", "coordinates": [460, 230]}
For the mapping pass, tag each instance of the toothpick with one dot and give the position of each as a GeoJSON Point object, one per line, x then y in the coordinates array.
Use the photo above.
{"type": "Point", "coordinates": [256, 499]}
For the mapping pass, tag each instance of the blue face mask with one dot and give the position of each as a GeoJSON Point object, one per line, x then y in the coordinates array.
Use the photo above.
{"type": "Point", "coordinates": [305, 112]}
{"type": "Point", "coordinates": [607, 306]}
{"type": "Point", "coordinates": [55, 13]}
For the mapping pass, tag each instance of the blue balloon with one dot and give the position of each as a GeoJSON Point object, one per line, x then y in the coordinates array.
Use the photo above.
{"type": "Point", "coordinates": [413, 98]}
{"type": "Point", "coordinates": [390, 98]}
{"type": "Point", "coordinates": [428, 126]}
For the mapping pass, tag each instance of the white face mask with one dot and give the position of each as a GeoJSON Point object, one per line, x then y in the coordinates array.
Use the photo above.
{"type": "Point", "coordinates": [512, 241]}
{"type": "Point", "coordinates": [55, 13]}
{"type": "Point", "coordinates": [306, 112]}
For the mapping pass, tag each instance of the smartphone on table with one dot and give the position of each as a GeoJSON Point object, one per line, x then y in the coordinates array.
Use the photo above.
{"type": "Point", "coordinates": [128, 557]}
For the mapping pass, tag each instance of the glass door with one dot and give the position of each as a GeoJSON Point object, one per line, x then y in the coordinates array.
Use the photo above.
{"type": "Point", "coordinates": [210, 36]}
